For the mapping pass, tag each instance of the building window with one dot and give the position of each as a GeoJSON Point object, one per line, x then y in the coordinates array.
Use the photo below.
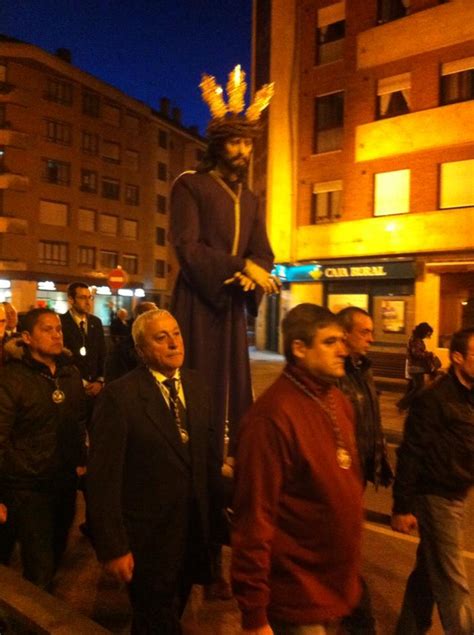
{"type": "Point", "coordinates": [160, 268]}
{"type": "Point", "coordinates": [329, 121]}
{"type": "Point", "coordinates": [457, 184]}
{"type": "Point", "coordinates": [108, 224]}
{"type": "Point", "coordinates": [162, 139]}
{"type": "Point", "coordinates": [199, 154]}
{"type": "Point", "coordinates": [162, 171]}
{"type": "Point", "coordinates": [330, 33]}
{"type": "Point", "coordinates": [326, 202]}
{"type": "Point", "coordinates": [58, 91]}
{"type": "Point", "coordinates": [108, 259]}
{"type": "Point", "coordinates": [86, 257]}
{"type": "Point", "coordinates": [132, 194]}
{"type": "Point", "coordinates": [58, 172]}
{"type": "Point", "coordinates": [111, 114]}
{"type": "Point", "coordinates": [91, 104]}
{"type": "Point", "coordinates": [161, 204]}
{"type": "Point", "coordinates": [87, 220]}
{"type": "Point", "coordinates": [393, 96]}
{"type": "Point", "coordinates": [110, 151]}
{"type": "Point", "coordinates": [130, 229]}
{"type": "Point", "coordinates": [392, 193]}
{"type": "Point", "coordinates": [388, 10]}
{"type": "Point", "coordinates": [90, 143]}
{"type": "Point", "coordinates": [160, 236]}
{"type": "Point", "coordinates": [89, 180]}
{"type": "Point", "coordinates": [58, 131]}
{"type": "Point", "coordinates": [131, 160]}
{"type": "Point", "coordinates": [52, 253]}
{"type": "Point", "coordinates": [130, 263]}
{"type": "Point", "coordinates": [110, 188]}
{"type": "Point", "coordinates": [457, 81]}
{"type": "Point", "coordinates": [52, 213]}
{"type": "Point", "coordinates": [132, 122]}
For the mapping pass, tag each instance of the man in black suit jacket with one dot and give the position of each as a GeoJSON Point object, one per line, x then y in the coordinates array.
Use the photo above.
{"type": "Point", "coordinates": [84, 337]}
{"type": "Point", "coordinates": [152, 471]}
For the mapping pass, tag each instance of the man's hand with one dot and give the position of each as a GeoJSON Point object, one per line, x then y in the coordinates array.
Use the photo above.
{"type": "Point", "coordinates": [93, 388]}
{"type": "Point", "coordinates": [263, 630]}
{"type": "Point", "coordinates": [121, 568]}
{"type": "Point", "coordinates": [270, 284]}
{"type": "Point", "coordinates": [3, 514]}
{"type": "Point", "coordinates": [404, 523]}
{"type": "Point", "coordinates": [242, 280]}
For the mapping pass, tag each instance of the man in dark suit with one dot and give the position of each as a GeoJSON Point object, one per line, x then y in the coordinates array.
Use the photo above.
{"type": "Point", "coordinates": [152, 471]}
{"type": "Point", "coordinates": [84, 337]}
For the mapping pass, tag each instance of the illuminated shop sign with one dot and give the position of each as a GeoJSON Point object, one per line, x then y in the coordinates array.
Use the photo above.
{"type": "Point", "coordinates": [5, 284]}
{"type": "Point", "coordinates": [46, 285]}
{"type": "Point", "coordinates": [346, 271]}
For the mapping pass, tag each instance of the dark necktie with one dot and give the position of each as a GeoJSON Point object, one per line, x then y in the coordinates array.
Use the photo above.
{"type": "Point", "coordinates": [177, 409]}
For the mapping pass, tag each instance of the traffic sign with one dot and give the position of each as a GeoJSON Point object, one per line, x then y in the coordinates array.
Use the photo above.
{"type": "Point", "coordinates": [117, 278]}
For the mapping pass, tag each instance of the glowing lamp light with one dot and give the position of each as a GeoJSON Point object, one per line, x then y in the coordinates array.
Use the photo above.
{"type": "Point", "coordinates": [103, 291]}
{"type": "Point", "coordinates": [5, 284]}
{"type": "Point", "coordinates": [126, 292]}
{"type": "Point", "coordinates": [391, 227]}
{"type": "Point", "coordinates": [139, 293]}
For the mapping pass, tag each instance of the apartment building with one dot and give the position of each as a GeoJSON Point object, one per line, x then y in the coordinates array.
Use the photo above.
{"type": "Point", "coordinates": [370, 173]}
{"type": "Point", "coordinates": [85, 174]}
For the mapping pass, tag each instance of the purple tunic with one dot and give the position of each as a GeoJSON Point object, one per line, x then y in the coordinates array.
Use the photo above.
{"type": "Point", "coordinates": [212, 240]}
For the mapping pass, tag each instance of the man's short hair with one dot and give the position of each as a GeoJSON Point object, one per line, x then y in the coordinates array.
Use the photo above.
{"type": "Point", "coordinates": [345, 317]}
{"type": "Point", "coordinates": [74, 286]}
{"type": "Point", "coordinates": [301, 323]}
{"type": "Point", "coordinates": [143, 307]}
{"type": "Point", "coordinates": [30, 319]}
{"type": "Point", "coordinates": [460, 341]}
{"type": "Point", "coordinates": [138, 327]}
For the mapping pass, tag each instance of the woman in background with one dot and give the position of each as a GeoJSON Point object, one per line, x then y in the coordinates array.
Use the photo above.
{"type": "Point", "coordinates": [419, 361]}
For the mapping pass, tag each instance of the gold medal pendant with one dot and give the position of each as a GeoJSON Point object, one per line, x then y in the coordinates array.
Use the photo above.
{"type": "Point", "coordinates": [343, 458]}
{"type": "Point", "coordinates": [58, 396]}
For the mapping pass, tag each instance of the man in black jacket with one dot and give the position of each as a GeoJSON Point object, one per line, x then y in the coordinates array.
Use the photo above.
{"type": "Point", "coordinates": [42, 446]}
{"type": "Point", "coordinates": [435, 472]}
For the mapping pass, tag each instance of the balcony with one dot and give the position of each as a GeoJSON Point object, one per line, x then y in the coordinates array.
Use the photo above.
{"type": "Point", "coordinates": [12, 225]}
{"type": "Point", "coordinates": [10, 94]}
{"type": "Point", "coordinates": [444, 25]}
{"type": "Point", "coordinates": [13, 138]}
{"type": "Point", "coordinates": [423, 130]}
{"type": "Point", "coordinates": [17, 182]}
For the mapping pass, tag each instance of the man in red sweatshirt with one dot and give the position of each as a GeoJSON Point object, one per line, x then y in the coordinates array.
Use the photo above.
{"type": "Point", "coordinates": [298, 498]}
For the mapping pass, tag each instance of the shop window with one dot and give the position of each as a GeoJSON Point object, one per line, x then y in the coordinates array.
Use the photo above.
{"type": "Point", "coordinates": [57, 172]}
{"type": "Point", "coordinates": [131, 160]}
{"type": "Point", "coordinates": [326, 202]}
{"type": "Point", "coordinates": [108, 259]}
{"type": "Point", "coordinates": [111, 151]}
{"type": "Point", "coordinates": [393, 96]}
{"type": "Point", "coordinates": [457, 81]}
{"type": "Point", "coordinates": [328, 122]}
{"type": "Point", "coordinates": [132, 194]}
{"type": "Point", "coordinates": [110, 188]}
{"type": "Point", "coordinates": [89, 181]}
{"type": "Point", "coordinates": [160, 237]}
{"type": "Point", "coordinates": [90, 143]}
{"type": "Point", "coordinates": [161, 204]}
{"type": "Point", "coordinates": [130, 229]}
{"type": "Point", "coordinates": [162, 171]}
{"type": "Point", "coordinates": [160, 268]}
{"type": "Point", "coordinates": [58, 91]}
{"type": "Point", "coordinates": [87, 220]}
{"type": "Point", "coordinates": [52, 253]}
{"type": "Point", "coordinates": [163, 139]}
{"type": "Point", "coordinates": [389, 10]}
{"type": "Point", "coordinates": [53, 213]}
{"type": "Point", "coordinates": [457, 184]}
{"type": "Point", "coordinates": [392, 193]}
{"type": "Point", "coordinates": [58, 131]}
{"type": "Point", "coordinates": [108, 224]}
{"type": "Point", "coordinates": [130, 263]}
{"type": "Point", "coordinates": [330, 33]}
{"type": "Point", "coordinates": [111, 114]}
{"type": "Point", "coordinates": [86, 257]}
{"type": "Point", "coordinates": [90, 104]}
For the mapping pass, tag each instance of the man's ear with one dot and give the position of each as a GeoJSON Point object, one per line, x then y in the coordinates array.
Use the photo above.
{"type": "Point", "coordinates": [457, 358]}
{"type": "Point", "coordinates": [298, 348]}
{"type": "Point", "coordinates": [26, 337]}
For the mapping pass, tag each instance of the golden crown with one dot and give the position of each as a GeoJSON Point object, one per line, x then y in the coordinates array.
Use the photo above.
{"type": "Point", "coordinates": [236, 88]}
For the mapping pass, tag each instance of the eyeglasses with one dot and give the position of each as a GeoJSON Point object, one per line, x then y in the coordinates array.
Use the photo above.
{"type": "Point", "coordinates": [84, 297]}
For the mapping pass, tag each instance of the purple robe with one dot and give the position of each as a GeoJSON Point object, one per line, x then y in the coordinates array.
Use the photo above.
{"type": "Point", "coordinates": [205, 230]}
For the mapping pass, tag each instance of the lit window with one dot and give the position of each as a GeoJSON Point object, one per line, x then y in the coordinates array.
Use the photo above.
{"type": "Point", "coordinates": [393, 96]}
{"type": "Point", "coordinates": [52, 213]}
{"type": "Point", "coordinates": [457, 81]}
{"type": "Point", "coordinates": [330, 33]}
{"type": "Point", "coordinates": [329, 121]}
{"type": "Point", "coordinates": [392, 193]}
{"type": "Point", "coordinates": [457, 184]}
{"type": "Point", "coordinates": [326, 202]}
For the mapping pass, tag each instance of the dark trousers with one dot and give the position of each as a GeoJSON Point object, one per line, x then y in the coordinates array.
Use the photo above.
{"type": "Point", "coordinates": [39, 521]}
{"type": "Point", "coordinates": [361, 621]}
{"type": "Point", "coordinates": [415, 384]}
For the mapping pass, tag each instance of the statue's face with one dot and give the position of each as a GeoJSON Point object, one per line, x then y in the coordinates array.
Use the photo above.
{"type": "Point", "coordinates": [235, 155]}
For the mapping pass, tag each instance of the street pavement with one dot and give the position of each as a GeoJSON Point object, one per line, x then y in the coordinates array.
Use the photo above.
{"type": "Point", "coordinates": [388, 557]}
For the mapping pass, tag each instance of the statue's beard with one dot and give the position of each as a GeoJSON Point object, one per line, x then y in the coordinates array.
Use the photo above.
{"type": "Point", "coordinates": [237, 166]}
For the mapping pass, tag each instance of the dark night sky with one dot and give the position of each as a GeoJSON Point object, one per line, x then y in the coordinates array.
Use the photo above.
{"type": "Point", "coordinates": [146, 48]}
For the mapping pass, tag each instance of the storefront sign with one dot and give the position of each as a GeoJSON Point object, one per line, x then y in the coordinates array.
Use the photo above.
{"type": "Point", "coordinates": [46, 285]}
{"type": "Point", "coordinates": [346, 271]}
